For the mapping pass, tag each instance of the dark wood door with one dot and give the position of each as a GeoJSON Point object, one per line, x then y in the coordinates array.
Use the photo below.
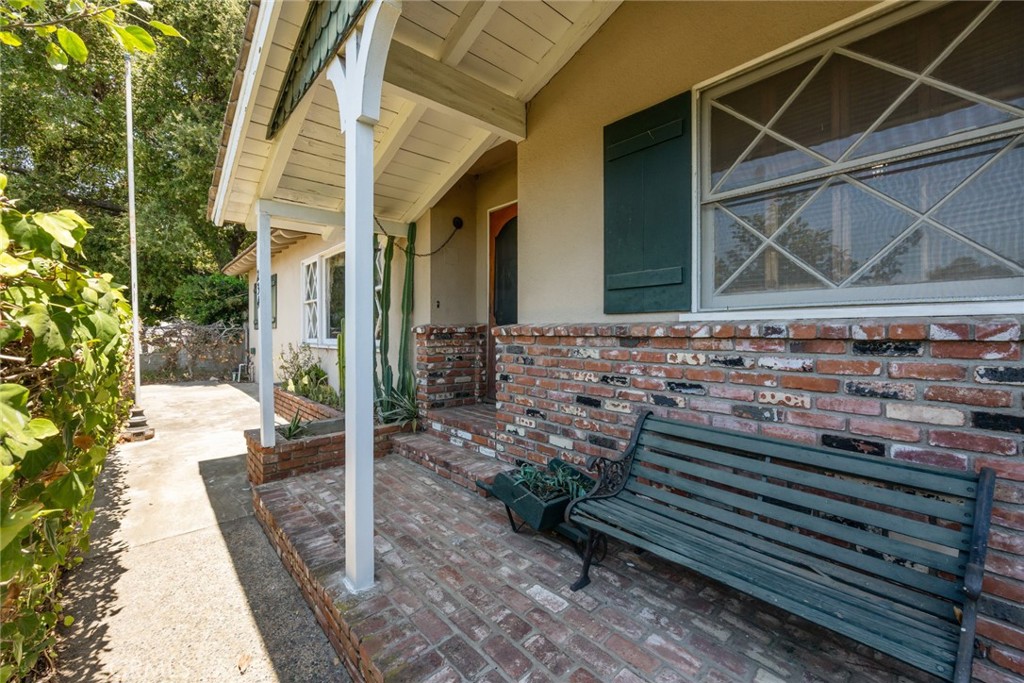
{"type": "Point", "coordinates": [504, 280]}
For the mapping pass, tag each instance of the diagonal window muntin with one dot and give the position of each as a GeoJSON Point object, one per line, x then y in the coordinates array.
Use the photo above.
{"type": "Point", "coordinates": [847, 161]}
{"type": "Point", "coordinates": [936, 109]}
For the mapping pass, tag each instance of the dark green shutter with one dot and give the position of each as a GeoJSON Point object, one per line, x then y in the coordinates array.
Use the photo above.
{"type": "Point", "coordinates": [647, 210]}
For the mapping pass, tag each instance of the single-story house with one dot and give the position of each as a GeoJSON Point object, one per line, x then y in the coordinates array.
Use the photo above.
{"type": "Point", "coordinates": [803, 220]}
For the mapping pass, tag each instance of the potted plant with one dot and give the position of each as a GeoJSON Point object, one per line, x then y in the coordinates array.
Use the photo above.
{"type": "Point", "coordinates": [539, 496]}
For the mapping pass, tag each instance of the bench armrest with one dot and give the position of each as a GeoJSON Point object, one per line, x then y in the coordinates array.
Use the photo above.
{"type": "Point", "coordinates": [612, 474]}
{"type": "Point", "coordinates": [973, 577]}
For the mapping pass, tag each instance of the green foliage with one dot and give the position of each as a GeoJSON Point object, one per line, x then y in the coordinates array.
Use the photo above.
{"type": "Point", "coordinates": [396, 402]}
{"type": "Point", "coordinates": [211, 298]}
{"type": "Point", "coordinates": [341, 359]}
{"type": "Point", "coordinates": [64, 337]}
{"type": "Point", "coordinates": [64, 142]}
{"type": "Point", "coordinates": [558, 480]}
{"type": "Point", "coordinates": [294, 429]}
{"type": "Point", "coordinates": [396, 407]}
{"type": "Point", "coordinates": [406, 379]}
{"type": "Point", "coordinates": [303, 375]}
{"type": "Point", "coordinates": [38, 19]}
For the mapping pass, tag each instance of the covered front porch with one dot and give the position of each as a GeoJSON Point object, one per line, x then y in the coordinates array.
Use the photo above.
{"type": "Point", "coordinates": [459, 597]}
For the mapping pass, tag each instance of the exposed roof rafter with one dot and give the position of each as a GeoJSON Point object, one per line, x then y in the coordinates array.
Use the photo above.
{"type": "Point", "coordinates": [464, 33]}
{"type": "Point", "coordinates": [416, 76]}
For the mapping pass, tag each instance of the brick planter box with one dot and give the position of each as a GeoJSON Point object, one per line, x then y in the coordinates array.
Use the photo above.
{"type": "Point", "coordinates": [286, 403]}
{"type": "Point", "coordinates": [317, 451]}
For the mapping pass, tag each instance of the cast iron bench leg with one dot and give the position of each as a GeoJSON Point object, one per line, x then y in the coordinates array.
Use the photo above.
{"type": "Point", "coordinates": [587, 557]}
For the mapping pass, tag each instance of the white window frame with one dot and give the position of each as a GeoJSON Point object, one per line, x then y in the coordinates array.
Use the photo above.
{"type": "Point", "coordinates": [321, 302]}
{"type": "Point", "coordinates": [868, 22]}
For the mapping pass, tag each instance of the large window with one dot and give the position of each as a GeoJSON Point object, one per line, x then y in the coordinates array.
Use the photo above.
{"type": "Point", "coordinates": [884, 165]}
{"type": "Point", "coordinates": [323, 297]}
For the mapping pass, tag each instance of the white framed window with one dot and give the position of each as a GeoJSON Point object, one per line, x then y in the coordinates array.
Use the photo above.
{"type": "Point", "coordinates": [323, 297]}
{"type": "Point", "coordinates": [883, 165]}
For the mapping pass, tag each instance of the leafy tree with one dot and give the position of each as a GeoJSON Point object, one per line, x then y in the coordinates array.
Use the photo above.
{"type": "Point", "coordinates": [70, 152]}
{"type": "Point", "coordinates": [207, 299]}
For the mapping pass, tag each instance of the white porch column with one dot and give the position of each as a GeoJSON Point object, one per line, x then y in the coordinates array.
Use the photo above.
{"type": "Point", "coordinates": [266, 343]}
{"type": "Point", "coordinates": [357, 84]}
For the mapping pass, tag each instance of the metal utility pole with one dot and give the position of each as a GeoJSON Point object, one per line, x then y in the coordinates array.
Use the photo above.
{"type": "Point", "coordinates": [137, 430]}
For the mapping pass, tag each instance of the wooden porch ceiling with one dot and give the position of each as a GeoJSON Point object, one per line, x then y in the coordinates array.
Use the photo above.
{"type": "Point", "coordinates": [457, 75]}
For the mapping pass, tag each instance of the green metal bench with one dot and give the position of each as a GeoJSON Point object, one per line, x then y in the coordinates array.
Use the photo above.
{"type": "Point", "coordinates": [888, 553]}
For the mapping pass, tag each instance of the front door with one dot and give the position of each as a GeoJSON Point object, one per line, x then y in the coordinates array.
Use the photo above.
{"type": "Point", "coordinates": [504, 289]}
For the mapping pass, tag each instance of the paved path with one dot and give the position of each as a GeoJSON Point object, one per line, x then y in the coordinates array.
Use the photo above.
{"type": "Point", "coordinates": [181, 584]}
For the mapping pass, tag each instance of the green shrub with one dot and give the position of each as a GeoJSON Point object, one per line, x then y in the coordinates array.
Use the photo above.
{"type": "Point", "coordinates": [212, 297]}
{"type": "Point", "coordinates": [64, 337]}
{"type": "Point", "coordinates": [302, 375]}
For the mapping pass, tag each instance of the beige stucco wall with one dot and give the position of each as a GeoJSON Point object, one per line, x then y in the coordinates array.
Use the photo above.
{"type": "Point", "coordinates": [452, 298]}
{"type": "Point", "coordinates": [645, 53]}
{"type": "Point", "coordinates": [422, 272]}
{"type": "Point", "coordinates": [451, 286]}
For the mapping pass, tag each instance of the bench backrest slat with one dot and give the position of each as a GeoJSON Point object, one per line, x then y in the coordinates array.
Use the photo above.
{"type": "Point", "coordinates": [931, 506]}
{"type": "Point", "coordinates": [795, 520]}
{"type": "Point", "coordinates": [958, 484]}
{"type": "Point", "coordinates": [693, 460]}
{"type": "Point", "coordinates": [775, 541]}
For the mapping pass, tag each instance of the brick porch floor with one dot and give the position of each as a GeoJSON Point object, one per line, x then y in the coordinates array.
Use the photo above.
{"type": "Point", "coordinates": [460, 597]}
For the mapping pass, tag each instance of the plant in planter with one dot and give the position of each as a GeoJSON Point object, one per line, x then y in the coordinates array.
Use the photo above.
{"type": "Point", "coordinates": [303, 376]}
{"type": "Point", "coordinates": [538, 496]}
{"type": "Point", "coordinates": [294, 429]}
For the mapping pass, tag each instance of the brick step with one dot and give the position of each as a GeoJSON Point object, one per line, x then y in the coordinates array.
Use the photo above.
{"type": "Point", "coordinates": [472, 427]}
{"type": "Point", "coordinates": [457, 463]}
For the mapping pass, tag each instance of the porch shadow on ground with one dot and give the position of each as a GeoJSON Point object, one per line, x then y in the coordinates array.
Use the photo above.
{"type": "Point", "coordinates": [460, 597]}
{"type": "Point", "coordinates": [282, 621]}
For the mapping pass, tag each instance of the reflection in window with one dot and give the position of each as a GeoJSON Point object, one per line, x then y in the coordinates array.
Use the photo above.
{"type": "Point", "coordinates": [334, 267]}
{"type": "Point", "coordinates": [883, 169]}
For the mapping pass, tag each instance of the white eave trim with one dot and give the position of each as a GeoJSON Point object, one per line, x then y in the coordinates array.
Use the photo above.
{"type": "Point", "coordinates": [242, 109]}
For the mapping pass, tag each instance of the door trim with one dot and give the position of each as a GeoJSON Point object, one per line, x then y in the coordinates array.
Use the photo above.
{"type": "Point", "coordinates": [497, 218]}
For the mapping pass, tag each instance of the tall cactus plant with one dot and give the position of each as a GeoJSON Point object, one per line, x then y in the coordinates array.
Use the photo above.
{"type": "Point", "coordinates": [384, 394]}
{"type": "Point", "coordinates": [341, 359]}
{"type": "Point", "coordinates": [406, 378]}
{"type": "Point", "coordinates": [396, 401]}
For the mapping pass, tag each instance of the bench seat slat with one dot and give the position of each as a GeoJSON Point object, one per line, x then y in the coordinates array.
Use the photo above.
{"type": "Point", "coordinates": [654, 525]}
{"type": "Point", "coordinates": [953, 483]}
{"type": "Point", "coordinates": [891, 498]}
{"type": "Point", "coordinates": [796, 597]}
{"type": "Point", "coordinates": [822, 525]}
{"type": "Point", "coordinates": [823, 559]}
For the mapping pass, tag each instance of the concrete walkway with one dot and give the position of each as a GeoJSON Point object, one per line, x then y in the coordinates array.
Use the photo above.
{"type": "Point", "coordinates": [181, 583]}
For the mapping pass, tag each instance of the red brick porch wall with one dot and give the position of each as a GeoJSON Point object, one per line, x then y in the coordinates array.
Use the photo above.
{"type": "Point", "coordinates": [291, 457]}
{"type": "Point", "coordinates": [940, 392]}
{"type": "Point", "coordinates": [286, 403]}
{"type": "Point", "coordinates": [450, 364]}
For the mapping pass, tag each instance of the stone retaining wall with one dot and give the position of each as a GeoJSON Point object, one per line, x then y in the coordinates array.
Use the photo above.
{"type": "Point", "coordinates": [941, 392]}
{"type": "Point", "coordinates": [291, 457]}
{"type": "Point", "coordinates": [450, 365]}
{"type": "Point", "coordinates": [286, 403]}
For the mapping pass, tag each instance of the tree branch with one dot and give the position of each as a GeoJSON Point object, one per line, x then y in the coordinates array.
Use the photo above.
{"type": "Point", "coordinates": [107, 205]}
{"type": "Point", "coordinates": [59, 21]}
